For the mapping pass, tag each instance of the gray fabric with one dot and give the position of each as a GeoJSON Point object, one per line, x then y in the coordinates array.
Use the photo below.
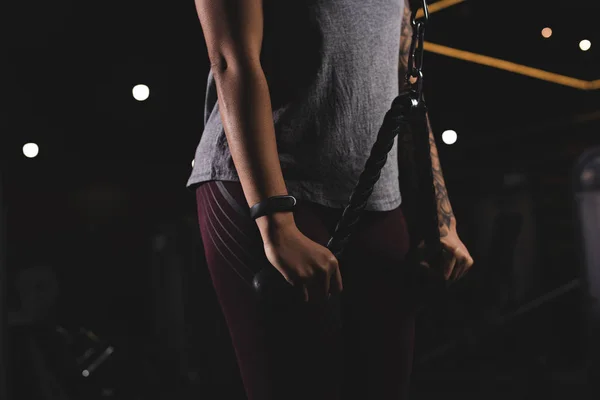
{"type": "Point", "coordinates": [332, 70]}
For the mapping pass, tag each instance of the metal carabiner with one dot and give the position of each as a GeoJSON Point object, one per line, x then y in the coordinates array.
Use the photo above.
{"type": "Point", "coordinates": [419, 49]}
{"type": "Point", "coordinates": [413, 45]}
{"type": "Point", "coordinates": [425, 11]}
{"type": "Point", "coordinates": [419, 84]}
{"type": "Point", "coordinates": [415, 56]}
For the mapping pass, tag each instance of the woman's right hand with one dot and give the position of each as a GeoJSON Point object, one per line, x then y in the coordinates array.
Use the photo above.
{"type": "Point", "coordinates": [304, 263]}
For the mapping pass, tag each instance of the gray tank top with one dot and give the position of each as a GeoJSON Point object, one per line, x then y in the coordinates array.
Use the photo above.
{"type": "Point", "coordinates": [332, 71]}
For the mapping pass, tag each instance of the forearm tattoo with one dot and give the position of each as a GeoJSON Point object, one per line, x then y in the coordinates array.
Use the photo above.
{"type": "Point", "coordinates": [445, 213]}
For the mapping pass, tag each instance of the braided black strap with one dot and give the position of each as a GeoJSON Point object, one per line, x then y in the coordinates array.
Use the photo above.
{"type": "Point", "coordinates": [393, 122]}
{"type": "Point", "coordinates": [269, 283]}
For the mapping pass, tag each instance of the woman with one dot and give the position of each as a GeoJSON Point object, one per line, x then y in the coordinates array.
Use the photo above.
{"type": "Point", "coordinates": [296, 94]}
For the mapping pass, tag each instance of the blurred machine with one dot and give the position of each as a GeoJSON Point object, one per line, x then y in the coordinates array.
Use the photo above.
{"type": "Point", "coordinates": [3, 361]}
{"type": "Point", "coordinates": [586, 187]}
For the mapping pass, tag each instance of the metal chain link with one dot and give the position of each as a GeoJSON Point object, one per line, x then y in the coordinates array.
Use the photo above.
{"type": "Point", "coordinates": [415, 56]}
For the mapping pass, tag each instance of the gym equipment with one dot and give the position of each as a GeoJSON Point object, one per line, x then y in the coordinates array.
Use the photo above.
{"type": "Point", "coordinates": [586, 206]}
{"type": "Point", "coordinates": [406, 118]}
{"type": "Point", "coordinates": [586, 191]}
{"type": "Point", "coordinates": [472, 335]}
{"type": "Point", "coordinates": [3, 361]}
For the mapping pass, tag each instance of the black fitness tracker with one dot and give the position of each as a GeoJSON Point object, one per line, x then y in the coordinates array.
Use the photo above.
{"type": "Point", "coordinates": [273, 204]}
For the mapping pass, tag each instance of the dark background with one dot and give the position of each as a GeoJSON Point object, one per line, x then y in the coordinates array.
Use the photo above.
{"type": "Point", "coordinates": [108, 187]}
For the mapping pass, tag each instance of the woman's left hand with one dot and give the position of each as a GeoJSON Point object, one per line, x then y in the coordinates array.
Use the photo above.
{"type": "Point", "coordinates": [456, 258]}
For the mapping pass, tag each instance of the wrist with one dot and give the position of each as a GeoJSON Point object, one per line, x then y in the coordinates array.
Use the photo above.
{"type": "Point", "coordinates": [446, 223]}
{"type": "Point", "coordinates": [273, 225]}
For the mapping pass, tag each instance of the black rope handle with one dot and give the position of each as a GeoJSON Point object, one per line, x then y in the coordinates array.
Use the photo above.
{"type": "Point", "coordinates": [407, 112]}
{"type": "Point", "coordinates": [393, 123]}
{"type": "Point", "coordinates": [406, 115]}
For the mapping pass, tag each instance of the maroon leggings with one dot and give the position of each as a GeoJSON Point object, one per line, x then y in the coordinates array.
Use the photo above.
{"type": "Point", "coordinates": [303, 355]}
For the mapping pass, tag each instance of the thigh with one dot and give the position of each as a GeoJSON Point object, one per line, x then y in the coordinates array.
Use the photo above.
{"type": "Point", "coordinates": [378, 310]}
{"type": "Point", "coordinates": [294, 357]}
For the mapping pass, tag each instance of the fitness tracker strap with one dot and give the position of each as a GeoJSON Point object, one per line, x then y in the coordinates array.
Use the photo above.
{"type": "Point", "coordinates": [273, 204]}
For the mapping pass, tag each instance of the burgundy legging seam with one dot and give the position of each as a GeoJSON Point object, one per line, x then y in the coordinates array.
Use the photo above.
{"type": "Point", "coordinates": [371, 302]}
{"type": "Point", "coordinates": [217, 247]}
{"type": "Point", "coordinates": [249, 255]}
{"type": "Point", "coordinates": [232, 201]}
{"type": "Point", "coordinates": [227, 216]}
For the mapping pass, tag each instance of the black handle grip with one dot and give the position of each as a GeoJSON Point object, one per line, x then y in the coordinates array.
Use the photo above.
{"type": "Point", "coordinates": [268, 283]}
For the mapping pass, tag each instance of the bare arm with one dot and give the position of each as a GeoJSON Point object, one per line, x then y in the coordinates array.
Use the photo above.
{"type": "Point", "coordinates": [233, 30]}
{"type": "Point", "coordinates": [445, 213]}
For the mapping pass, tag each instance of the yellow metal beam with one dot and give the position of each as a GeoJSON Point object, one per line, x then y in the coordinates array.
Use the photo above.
{"type": "Point", "coordinates": [511, 67]}
{"type": "Point", "coordinates": [499, 63]}
{"type": "Point", "coordinates": [438, 6]}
